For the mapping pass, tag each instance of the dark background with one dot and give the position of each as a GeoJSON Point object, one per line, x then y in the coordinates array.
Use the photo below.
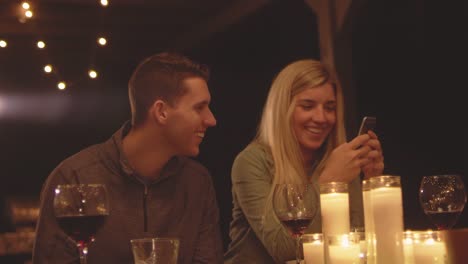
{"type": "Point", "coordinates": [403, 72]}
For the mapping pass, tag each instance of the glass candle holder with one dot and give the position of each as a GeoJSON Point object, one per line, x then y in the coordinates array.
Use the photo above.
{"type": "Point", "coordinates": [361, 237]}
{"type": "Point", "coordinates": [387, 216]}
{"type": "Point", "coordinates": [368, 222]}
{"type": "Point", "coordinates": [334, 203]}
{"type": "Point", "coordinates": [312, 245]}
{"type": "Point", "coordinates": [429, 247]}
{"type": "Point", "coordinates": [343, 249]}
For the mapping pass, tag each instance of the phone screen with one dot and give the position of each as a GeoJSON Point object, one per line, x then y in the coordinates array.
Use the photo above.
{"type": "Point", "coordinates": [368, 123]}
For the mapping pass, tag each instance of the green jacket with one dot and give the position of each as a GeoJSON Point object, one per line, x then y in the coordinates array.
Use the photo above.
{"type": "Point", "coordinates": [256, 234]}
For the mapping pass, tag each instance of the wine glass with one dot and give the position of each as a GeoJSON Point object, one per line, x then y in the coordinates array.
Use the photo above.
{"type": "Point", "coordinates": [80, 210]}
{"type": "Point", "coordinates": [442, 198]}
{"type": "Point", "coordinates": [296, 206]}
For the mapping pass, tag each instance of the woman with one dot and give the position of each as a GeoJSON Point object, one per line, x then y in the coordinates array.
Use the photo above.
{"type": "Point", "coordinates": [301, 138]}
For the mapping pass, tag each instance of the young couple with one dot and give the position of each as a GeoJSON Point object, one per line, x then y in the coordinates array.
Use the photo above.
{"type": "Point", "coordinates": [156, 190]}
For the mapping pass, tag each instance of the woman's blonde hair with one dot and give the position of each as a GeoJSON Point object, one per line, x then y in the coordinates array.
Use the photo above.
{"type": "Point", "coordinates": [275, 130]}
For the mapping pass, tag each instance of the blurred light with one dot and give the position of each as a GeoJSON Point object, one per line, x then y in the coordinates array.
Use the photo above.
{"type": "Point", "coordinates": [3, 43]}
{"type": "Point", "coordinates": [48, 68]}
{"type": "Point", "coordinates": [41, 44]}
{"type": "Point", "coordinates": [92, 74]}
{"type": "Point", "coordinates": [28, 14]}
{"type": "Point", "coordinates": [25, 5]}
{"type": "Point", "coordinates": [104, 2]}
{"type": "Point", "coordinates": [61, 85]}
{"type": "Point", "coordinates": [39, 107]}
{"type": "Point", "coordinates": [102, 41]}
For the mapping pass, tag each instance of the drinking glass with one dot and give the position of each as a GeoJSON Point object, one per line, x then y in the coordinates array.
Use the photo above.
{"type": "Point", "coordinates": [296, 206]}
{"type": "Point", "coordinates": [442, 198]}
{"type": "Point", "coordinates": [80, 210]}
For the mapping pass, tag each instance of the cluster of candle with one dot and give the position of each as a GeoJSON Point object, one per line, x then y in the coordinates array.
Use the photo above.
{"type": "Point", "coordinates": [383, 241]}
{"type": "Point", "coordinates": [424, 247]}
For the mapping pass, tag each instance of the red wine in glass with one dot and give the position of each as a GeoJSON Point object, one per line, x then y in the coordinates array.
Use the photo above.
{"type": "Point", "coordinates": [442, 198]}
{"type": "Point", "coordinates": [81, 228]}
{"type": "Point", "coordinates": [296, 226]}
{"type": "Point", "coordinates": [295, 205]}
{"type": "Point", "coordinates": [80, 210]}
{"type": "Point", "coordinates": [443, 220]}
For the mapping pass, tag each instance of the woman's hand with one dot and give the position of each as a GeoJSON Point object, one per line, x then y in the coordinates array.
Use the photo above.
{"type": "Point", "coordinates": [345, 161]}
{"type": "Point", "coordinates": [375, 166]}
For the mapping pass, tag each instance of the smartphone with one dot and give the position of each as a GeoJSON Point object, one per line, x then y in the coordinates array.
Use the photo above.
{"type": "Point", "coordinates": [368, 123]}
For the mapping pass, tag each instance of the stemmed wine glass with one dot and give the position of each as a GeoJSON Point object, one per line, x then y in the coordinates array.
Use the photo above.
{"type": "Point", "coordinates": [296, 206]}
{"type": "Point", "coordinates": [442, 198]}
{"type": "Point", "coordinates": [80, 210]}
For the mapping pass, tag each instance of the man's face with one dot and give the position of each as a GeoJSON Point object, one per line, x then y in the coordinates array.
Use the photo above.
{"type": "Point", "coordinates": [189, 118]}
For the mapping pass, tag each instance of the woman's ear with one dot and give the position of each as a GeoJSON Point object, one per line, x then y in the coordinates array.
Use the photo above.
{"type": "Point", "coordinates": [159, 111]}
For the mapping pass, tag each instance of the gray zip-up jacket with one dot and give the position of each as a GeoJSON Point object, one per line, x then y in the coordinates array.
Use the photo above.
{"type": "Point", "coordinates": [181, 203]}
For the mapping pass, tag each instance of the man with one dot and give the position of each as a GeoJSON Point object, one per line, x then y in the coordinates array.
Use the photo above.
{"type": "Point", "coordinates": [153, 190]}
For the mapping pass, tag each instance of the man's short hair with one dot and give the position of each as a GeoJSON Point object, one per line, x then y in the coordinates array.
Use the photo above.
{"type": "Point", "coordinates": [159, 77]}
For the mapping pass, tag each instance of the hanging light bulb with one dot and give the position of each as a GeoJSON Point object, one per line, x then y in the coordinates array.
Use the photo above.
{"type": "Point", "coordinates": [104, 2]}
{"type": "Point", "coordinates": [48, 68]}
{"type": "Point", "coordinates": [102, 41]}
{"type": "Point", "coordinates": [92, 74]}
{"type": "Point", "coordinates": [61, 85]}
{"type": "Point", "coordinates": [3, 43]}
{"type": "Point", "coordinates": [41, 44]}
{"type": "Point", "coordinates": [25, 5]}
{"type": "Point", "coordinates": [28, 14]}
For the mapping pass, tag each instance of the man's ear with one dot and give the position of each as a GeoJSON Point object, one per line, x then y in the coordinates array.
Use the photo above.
{"type": "Point", "coordinates": [159, 111]}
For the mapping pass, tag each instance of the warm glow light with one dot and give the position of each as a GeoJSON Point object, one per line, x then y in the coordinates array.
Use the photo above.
{"type": "Point", "coordinates": [92, 74]}
{"type": "Point", "coordinates": [61, 85]}
{"type": "Point", "coordinates": [48, 68]}
{"type": "Point", "coordinates": [102, 41]}
{"type": "Point", "coordinates": [28, 14]}
{"type": "Point", "coordinates": [3, 43]}
{"type": "Point", "coordinates": [25, 5]}
{"type": "Point", "coordinates": [41, 44]}
{"type": "Point", "coordinates": [104, 2]}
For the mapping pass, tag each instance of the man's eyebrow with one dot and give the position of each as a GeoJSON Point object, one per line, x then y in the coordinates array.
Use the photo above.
{"type": "Point", "coordinates": [204, 102]}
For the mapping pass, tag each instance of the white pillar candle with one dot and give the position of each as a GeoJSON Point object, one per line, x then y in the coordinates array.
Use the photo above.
{"type": "Point", "coordinates": [429, 252]}
{"type": "Point", "coordinates": [344, 254]}
{"type": "Point", "coordinates": [313, 252]}
{"type": "Point", "coordinates": [368, 222]}
{"type": "Point", "coordinates": [387, 214]}
{"type": "Point", "coordinates": [408, 247]}
{"type": "Point", "coordinates": [335, 213]}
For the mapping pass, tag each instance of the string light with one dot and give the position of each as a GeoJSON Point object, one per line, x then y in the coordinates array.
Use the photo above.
{"type": "Point", "coordinates": [104, 2]}
{"type": "Point", "coordinates": [48, 68]}
{"type": "Point", "coordinates": [61, 85]}
{"type": "Point", "coordinates": [41, 44]}
{"type": "Point", "coordinates": [25, 5]}
{"type": "Point", "coordinates": [92, 74]}
{"type": "Point", "coordinates": [28, 14]}
{"type": "Point", "coordinates": [25, 13]}
{"type": "Point", "coordinates": [3, 43]}
{"type": "Point", "coordinates": [102, 41]}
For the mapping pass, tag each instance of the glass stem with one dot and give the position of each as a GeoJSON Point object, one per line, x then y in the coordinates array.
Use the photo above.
{"type": "Point", "coordinates": [83, 249]}
{"type": "Point", "coordinates": [298, 249]}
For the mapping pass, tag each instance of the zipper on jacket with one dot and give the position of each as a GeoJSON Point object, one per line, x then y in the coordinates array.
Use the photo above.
{"type": "Point", "coordinates": [145, 210]}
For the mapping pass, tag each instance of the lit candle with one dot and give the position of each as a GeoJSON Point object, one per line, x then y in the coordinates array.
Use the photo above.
{"type": "Point", "coordinates": [313, 252]}
{"type": "Point", "coordinates": [368, 222]}
{"type": "Point", "coordinates": [387, 214]}
{"type": "Point", "coordinates": [429, 249]}
{"type": "Point", "coordinates": [408, 247]}
{"type": "Point", "coordinates": [334, 203]}
{"type": "Point", "coordinates": [343, 249]}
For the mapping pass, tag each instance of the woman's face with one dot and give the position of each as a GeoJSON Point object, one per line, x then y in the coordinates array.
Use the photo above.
{"type": "Point", "coordinates": [313, 117]}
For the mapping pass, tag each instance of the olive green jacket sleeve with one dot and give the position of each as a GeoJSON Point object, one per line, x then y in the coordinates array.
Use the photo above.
{"type": "Point", "coordinates": [251, 180]}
